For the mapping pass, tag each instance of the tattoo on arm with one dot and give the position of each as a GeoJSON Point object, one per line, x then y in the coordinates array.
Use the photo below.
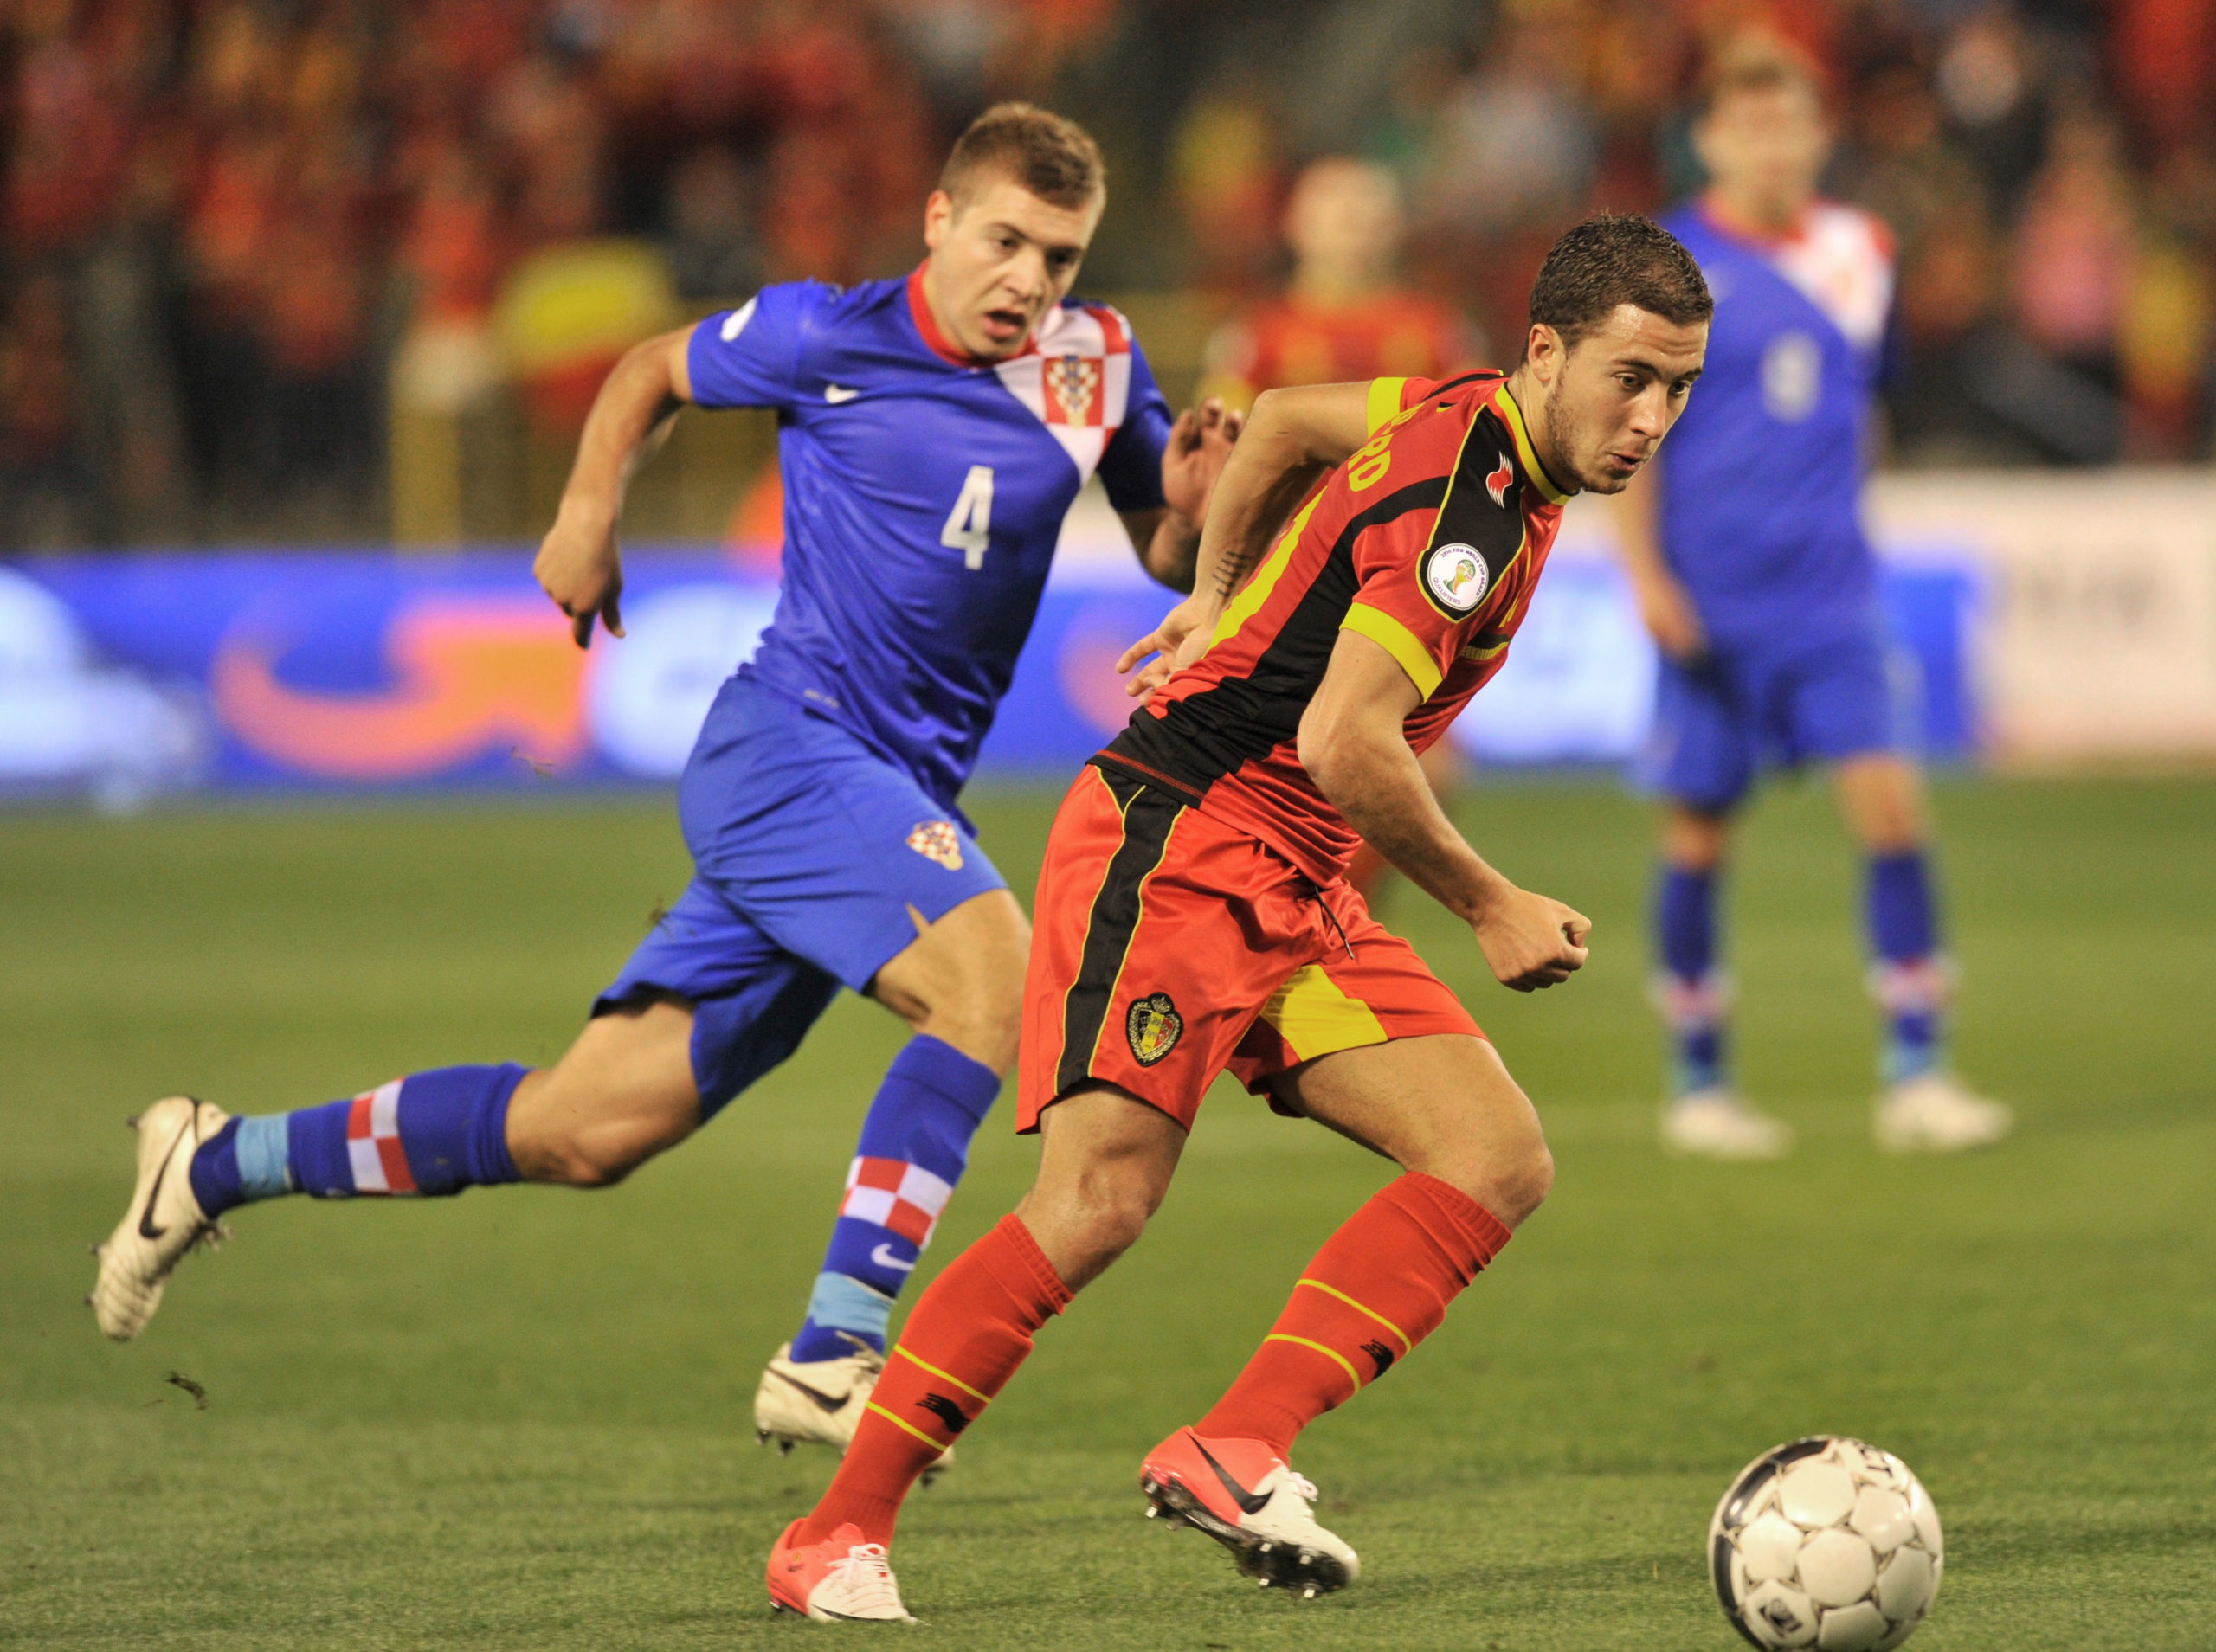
{"type": "Point", "coordinates": [1234, 568]}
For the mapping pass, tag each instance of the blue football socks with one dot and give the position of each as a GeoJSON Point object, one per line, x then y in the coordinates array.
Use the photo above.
{"type": "Point", "coordinates": [1910, 980]}
{"type": "Point", "coordinates": [915, 1145]}
{"type": "Point", "coordinates": [1690, 990]}
{"type": "Point", "coordinates": [431, 1132]}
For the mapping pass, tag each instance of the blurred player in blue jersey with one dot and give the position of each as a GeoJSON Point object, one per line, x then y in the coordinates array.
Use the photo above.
{"type": "Point", "coordinates": [1745, 544]}
{"type": "Point", "coordinates": [934, 431]}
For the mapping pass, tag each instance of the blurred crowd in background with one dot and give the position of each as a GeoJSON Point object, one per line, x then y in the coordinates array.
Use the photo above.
{"type": "Point", "coordinates": [239, 234]}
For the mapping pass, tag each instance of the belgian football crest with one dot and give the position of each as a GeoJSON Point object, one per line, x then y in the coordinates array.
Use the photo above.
{"type": "Point", "coordinates": [1154, 1027]}
{"type": "Point", "coordinates": [937, 840]}
{"type": "Point", "coordinates": [1074, 389]}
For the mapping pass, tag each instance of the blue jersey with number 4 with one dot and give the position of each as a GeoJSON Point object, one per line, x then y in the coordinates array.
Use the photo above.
{"type": "Point", "coordinates": [1761, 478]}
{"type": "Point", "coordinates": [923, 495]}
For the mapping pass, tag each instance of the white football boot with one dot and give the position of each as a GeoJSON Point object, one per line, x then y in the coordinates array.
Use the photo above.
{"type": "Point", "coordinates": [840, 1580]}
{"type": "Point", "coordinates": [1934, 1113]}
{"type": "Point", "coordinates": [1717, 1123]}
{"type": "Point", "coordinates": [820, 1402]}
{"type": "Point", "coordinates": [163, 1221]}
{"type": "Point", "coordinates": [1248, 1499]}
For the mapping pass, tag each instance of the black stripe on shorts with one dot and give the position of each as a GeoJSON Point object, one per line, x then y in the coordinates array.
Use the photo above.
{"type": "Point", "coordinates": [1149, 812]}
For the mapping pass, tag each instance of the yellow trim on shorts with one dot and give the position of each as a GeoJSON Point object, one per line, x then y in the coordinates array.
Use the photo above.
{"type": "Point", "coordinates": [1396, 639]}
{"type": "Point", "coordinates": [1406, 1347]}
{"type": "Point", "coordinates": [1329, 1353]}
{"type": "Point", "coordinates": [1314, 1014]}
{"type": "Point", "coordinates": [902, 1422]}
{"type": "Point", "coordinates": [944, 1376]}
{"type": "Point", "coordinates": [1384, 403]}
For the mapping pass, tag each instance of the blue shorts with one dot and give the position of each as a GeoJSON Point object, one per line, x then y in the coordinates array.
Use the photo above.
{"type": "Point", "coordinates": [1717, 722]}
{"type": "Point", "coordinates": [808, 853]}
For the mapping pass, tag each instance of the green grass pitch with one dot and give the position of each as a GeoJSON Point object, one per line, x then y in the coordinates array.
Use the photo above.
{"type": "Point", "coordinates": [520, 1419]}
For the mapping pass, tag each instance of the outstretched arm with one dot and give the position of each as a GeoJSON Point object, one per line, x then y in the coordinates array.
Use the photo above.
{"type": "Point", "coordinates": [1354, 747]}
{"type": "Point", "coordinates": [1291, 438]}
{"type": "Point", "coordinates": [1168, 539]}
{"type": "Point", "coordinates": [578, 564]}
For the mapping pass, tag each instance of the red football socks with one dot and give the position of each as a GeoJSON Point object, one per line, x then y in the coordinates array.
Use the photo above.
{"type": "Point", "coordinates": [1379, 1286]}
{"type": "Point", "coordinates": [966, 1337]}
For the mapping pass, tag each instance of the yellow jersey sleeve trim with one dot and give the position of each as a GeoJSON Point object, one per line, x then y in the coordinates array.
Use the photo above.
{"type": "Point", "coordinates": [1528, 455]}
{"type": "Point", "coordinates": [1397, 640]}
{"type": "Point", "coordinates": [1384, 402]}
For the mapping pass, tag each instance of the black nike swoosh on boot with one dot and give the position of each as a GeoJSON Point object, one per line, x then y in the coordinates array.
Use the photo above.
{"type": "Point", "coordinates": [146, 1228]}
{"type": "Point", "coordinates": [823, 1399]}
{"type": "Point", "coordinates": [1252, 1502]}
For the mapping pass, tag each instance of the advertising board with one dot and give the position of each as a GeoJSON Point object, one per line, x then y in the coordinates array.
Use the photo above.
{"type": "Point", "coordinates": [123, 676]}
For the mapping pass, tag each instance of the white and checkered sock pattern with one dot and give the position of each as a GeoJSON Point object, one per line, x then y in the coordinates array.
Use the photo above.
{"type": "Point", "coordinates": [373, 1148]}
{"type": "Point", "coordinates": [901, 1198]}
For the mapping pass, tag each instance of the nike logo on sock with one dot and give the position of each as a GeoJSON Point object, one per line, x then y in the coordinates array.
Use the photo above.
{"type": "Point", "coordinates": [834, 393]}
{"type": "Point", "coordinates": [146, 1228]}
{"type": "Point", "coordinates": [883, 1257]}
{"type": "Point", "coordinates": [1254, 1503]}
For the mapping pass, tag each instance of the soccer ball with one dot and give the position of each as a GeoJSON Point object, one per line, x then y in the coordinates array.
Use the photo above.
{"type": "Point", "coordinates": [1827, 1543]}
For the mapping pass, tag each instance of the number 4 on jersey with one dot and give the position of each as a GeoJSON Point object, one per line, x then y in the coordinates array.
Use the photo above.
{"type": "Point", "coordinates": [970, 524]}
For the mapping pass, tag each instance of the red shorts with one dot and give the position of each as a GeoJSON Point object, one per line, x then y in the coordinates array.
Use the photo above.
{"type": "Point", "coordinates": [1170, 946]}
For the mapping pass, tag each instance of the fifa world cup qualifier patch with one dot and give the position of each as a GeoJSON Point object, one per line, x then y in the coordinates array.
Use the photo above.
{"type": "Point", "coordinates": [938, 841]}
{"type": "Point", "coordinates": [1455, 577]}
{"type": "Point", "coordinates": [1154, 1027]}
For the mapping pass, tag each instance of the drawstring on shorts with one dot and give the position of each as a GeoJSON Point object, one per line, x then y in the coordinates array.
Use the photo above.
{"type": "Point", "coordinates": [1315, 892]}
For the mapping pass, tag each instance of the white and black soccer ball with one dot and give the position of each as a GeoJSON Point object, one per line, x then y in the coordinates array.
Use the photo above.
{"type": "Point", "coordinates": [1827, 1543]}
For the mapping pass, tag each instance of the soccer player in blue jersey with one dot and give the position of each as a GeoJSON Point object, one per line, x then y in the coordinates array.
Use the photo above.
{"type": "Point", "coordinates": [1746, 548]}
{"type": "Point", "coordinates": [933, 433]}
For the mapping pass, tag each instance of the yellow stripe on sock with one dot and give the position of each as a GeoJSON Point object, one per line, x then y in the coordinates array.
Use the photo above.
{"type": "Point", "coordinates": [902, 1422]}
{"type": "Point", "coordinates": [1332, 1354]}
{"type": "Point", "coordinates": [944, 1376]}
{"type": "Point", "coordinates": [1406, 1347]}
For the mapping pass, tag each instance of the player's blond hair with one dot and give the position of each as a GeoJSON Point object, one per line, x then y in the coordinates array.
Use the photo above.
{"type": "Point", "coordinates": [1048, 154]}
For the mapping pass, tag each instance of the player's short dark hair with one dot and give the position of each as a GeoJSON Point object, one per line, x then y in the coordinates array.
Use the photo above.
{"type": "Point", "coordinates": [1612, 258]}
{"type": "Point", "coordinates": [1048, 154]}
{"type": "Point", "coordinates": [1758, 63]}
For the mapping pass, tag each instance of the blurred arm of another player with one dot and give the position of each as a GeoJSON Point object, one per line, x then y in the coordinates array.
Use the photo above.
{"type": "Point", "coordinates": [1663, 602]}
{"type": "Point", "coordinates": [1352, 744]}
{"type": "Point", "coordinates": [578, 564]}
{"type": "Point", "coordinates": [1168, 540]}
{"type": "Point", "coordinates": [1291, 438]}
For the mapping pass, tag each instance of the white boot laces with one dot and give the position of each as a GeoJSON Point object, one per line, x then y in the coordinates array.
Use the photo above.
{"type": "Point", "coordinates": [864, 1570]}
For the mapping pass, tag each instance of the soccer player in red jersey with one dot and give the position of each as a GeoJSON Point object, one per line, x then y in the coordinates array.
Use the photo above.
{"type": "Point", "coordinates": [1344, 315]}
{"type": "Point", "coordinates": [1192, 913]}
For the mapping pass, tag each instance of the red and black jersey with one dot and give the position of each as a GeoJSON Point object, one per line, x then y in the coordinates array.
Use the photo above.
{"type": "Point", "coordinates": [1429, 541]}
